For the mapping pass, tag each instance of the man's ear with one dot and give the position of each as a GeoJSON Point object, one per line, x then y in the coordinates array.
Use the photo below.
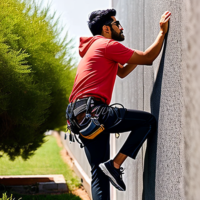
{"type": "Point", "coordinates": [106, 29]}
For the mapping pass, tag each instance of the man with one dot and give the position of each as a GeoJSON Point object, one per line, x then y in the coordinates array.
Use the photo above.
{"type": "Point", "coordinates": [89, 114]}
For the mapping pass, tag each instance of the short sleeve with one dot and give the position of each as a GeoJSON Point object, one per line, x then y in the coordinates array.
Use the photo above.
{"type": "Point", "coordinates": [118, 52]}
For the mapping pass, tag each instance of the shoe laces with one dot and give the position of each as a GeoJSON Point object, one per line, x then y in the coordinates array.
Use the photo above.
{"type": "Point", "coordinates": [121, 171]}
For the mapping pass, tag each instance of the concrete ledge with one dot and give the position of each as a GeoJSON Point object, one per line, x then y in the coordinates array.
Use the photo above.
{"type": "Point", "coordinates": [35, 183]}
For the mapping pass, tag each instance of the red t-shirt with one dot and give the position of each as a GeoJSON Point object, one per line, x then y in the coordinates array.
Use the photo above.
{"type": "Point", "coordinates": [98, 68]}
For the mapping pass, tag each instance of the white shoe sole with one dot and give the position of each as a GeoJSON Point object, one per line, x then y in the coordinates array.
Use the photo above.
{"type": "Point", "coordinates": [111, 178]}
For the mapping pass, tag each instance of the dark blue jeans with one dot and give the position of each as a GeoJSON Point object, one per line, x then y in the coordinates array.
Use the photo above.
{"type": "Point", "coordinates": [140, 123]}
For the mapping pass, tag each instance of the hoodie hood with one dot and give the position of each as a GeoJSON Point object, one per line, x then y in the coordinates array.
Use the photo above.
{"type": "Point", "coordinates": [86, 42]}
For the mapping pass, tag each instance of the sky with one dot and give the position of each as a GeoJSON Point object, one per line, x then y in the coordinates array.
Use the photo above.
{"type": "Point", "coordinates": [74, 15]}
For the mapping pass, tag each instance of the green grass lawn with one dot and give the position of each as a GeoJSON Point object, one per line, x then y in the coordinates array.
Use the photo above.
{"type": "Point", "coordinates": [47, 160]}
{"type": "Point", "coordinates": [41, 197]}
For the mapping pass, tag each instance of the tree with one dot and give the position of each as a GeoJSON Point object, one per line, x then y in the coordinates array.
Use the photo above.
{"type": "Point", "coordinates": [36, 76]}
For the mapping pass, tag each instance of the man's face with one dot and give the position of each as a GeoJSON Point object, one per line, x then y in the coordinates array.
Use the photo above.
{"type": "Point", "coordinates": [116, 30]}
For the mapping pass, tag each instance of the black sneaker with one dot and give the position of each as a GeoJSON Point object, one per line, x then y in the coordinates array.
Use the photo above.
{"type": "Point", "coordinates": [114, 174]}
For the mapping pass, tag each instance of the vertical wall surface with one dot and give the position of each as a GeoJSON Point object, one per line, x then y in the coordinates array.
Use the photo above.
{"type": "Point", "coordinates": [131, 95]}
{"type": "Point", "coordinates": [159, 89]}
{"type": "Point", "coordinates": [191, 58]}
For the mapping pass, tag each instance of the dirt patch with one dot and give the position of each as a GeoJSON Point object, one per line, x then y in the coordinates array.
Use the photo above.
{"type": "Point", "coordinates": [57, 136]}
{"type": "Point", "coordinates": [81, 192]}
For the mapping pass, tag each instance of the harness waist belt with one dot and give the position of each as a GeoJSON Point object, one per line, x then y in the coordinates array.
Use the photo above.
{"type": "Point", "coordinates": [80, 105]}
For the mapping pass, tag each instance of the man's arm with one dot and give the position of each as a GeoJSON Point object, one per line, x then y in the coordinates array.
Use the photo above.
{"type": "Point", "coordinates": [147, 57]}
{"type": "Point", "coordinates": [123, 71]}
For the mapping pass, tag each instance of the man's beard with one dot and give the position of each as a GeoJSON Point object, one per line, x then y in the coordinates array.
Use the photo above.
{"type": "Point", "coordinates": [117, 36]}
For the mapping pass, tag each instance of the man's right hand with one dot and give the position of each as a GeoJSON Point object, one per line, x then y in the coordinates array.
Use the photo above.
{"type": "Point", "coordinates": [164, 21]}
{"type": "Point", "coordinates": [151, 53]}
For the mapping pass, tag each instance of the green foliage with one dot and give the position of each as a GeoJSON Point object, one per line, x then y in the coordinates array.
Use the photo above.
{"type": "Point", "coordinates": [36, 76]}
{"type": "Point", "coordinates": [4, 197]}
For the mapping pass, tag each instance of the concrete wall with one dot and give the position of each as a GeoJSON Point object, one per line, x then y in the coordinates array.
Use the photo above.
{"type": "Point", "coordinates": [157, 88]}
{"type": "Point", "coordinates": [130, 92]}
{"type": "Point", "coordinates": [191, 81]}
{"type": "Point", "coordinates": [170, 90]}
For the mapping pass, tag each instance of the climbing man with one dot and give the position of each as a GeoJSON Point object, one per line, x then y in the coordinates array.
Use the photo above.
{"type": "Point", "coordinates": [89, 114]}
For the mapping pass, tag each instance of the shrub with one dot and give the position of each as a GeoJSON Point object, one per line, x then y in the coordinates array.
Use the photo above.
{"type": "Point", "coordinates": [36, 76]}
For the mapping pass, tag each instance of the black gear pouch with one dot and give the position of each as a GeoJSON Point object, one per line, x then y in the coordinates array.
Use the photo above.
{"type": "Point", "coordinates": [71, 123]}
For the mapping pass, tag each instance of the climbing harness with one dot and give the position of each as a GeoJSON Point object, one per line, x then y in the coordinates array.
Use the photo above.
{"type": "Point", "coordinates": [90, 127]}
